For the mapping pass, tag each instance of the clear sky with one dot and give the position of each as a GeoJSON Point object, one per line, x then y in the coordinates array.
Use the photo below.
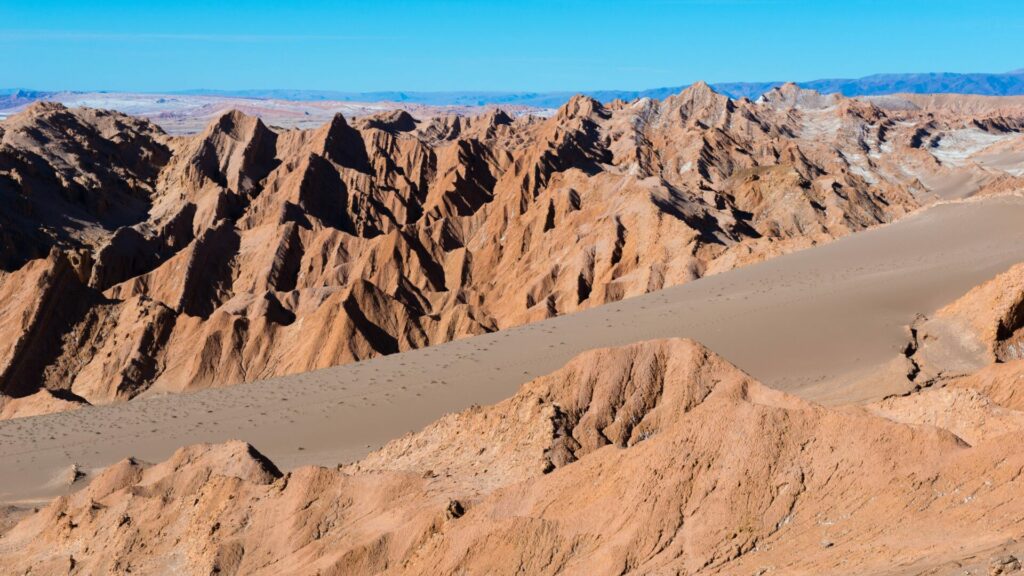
{"type": "Point", "coordinates": [492, 45]}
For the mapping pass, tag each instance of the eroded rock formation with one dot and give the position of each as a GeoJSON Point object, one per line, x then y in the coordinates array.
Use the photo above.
{"type": "Point", "coordinates": [173, 263]}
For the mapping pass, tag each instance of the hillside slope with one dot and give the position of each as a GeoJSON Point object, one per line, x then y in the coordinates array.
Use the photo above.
{"type": "Point", "coordinates": [654, 458]}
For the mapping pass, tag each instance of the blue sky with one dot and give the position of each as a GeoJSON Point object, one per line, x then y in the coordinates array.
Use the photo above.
{"type": "Point", "coordinates": [493, 45]}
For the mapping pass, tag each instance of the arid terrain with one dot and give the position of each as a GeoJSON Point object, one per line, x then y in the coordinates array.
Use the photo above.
{"type": "Point", "coordinates": [690, 336]}
{"type": "Point", "coordinates": [653, 457]}
{"type": "Point", "coordinates": [244, 253]}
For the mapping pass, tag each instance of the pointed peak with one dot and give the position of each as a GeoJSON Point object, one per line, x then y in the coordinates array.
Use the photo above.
{"type": "Point", "coordinates": [700, 95]}
{"type": "Point", "coordinates": [701, 90]}
{"type": "Point", "coordinates": [233, 458]}
{"type": "Point", "coordinates": [700, 104]}
{"type": "Point", "coordinates": [581, 105]}
{"type": "Point", "coordinates": [339, 142]}
{"type": "Point", "coordinates": [497, 116]}
{"type": "Point", "coordinates": [335, 129]}
{"type": "Point", "coordinates": [486, 124]}
{"type": "Point", "coordinates": [235, 123]}
{"type": "Point", "coordinates": [338, 121]}
{"type": "Point", "coordinates": [232, 116]}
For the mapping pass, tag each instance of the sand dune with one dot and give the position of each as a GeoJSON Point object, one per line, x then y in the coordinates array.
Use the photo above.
{"type": "Point", "coordinates": [812, 323]}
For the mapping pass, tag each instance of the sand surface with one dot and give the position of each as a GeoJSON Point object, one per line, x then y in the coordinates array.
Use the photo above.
{"type": "Point", "coordinates": [953, 187]}
{"type": "Point", "coordinates": [809, 323]}
{"type": "Point", "coordinates": [1010, 162]}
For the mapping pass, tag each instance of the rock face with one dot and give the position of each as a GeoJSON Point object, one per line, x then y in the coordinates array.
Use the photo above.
{"type": "Point", "coordinates": [985, 325]}
{"type": "Point", "coordinates": [654, 458]}
{"type": "Point", "coordinates": [967, 358]}
{"type": "Point", "coordinates": [164, 264]}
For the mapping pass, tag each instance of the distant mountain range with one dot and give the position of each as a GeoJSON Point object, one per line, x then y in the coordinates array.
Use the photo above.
{"type": "Point", "coordinates": [1004, 84]}
{"type": "Point", "coordinates": [1007, 84]}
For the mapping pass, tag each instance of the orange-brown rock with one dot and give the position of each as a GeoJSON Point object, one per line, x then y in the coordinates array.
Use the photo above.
{"type": "Point", "coordinates": [967, 358]}
{"type": "Point", "coordinates": [985, 325]}
{"type": "Point", "coordinates": [654, 458]}
{"type": "Point", "coordinates": [245, 252]}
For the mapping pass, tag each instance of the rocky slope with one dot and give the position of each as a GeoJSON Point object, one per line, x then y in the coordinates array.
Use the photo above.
{"type": "Point", "coordinates": [983, 327]}
{"type": "Point", "coordinates": [654, 458]}
{"type": "Point", "coordinates": [965, 362]}
{"type": "Point", "coordinates": [162, 264]}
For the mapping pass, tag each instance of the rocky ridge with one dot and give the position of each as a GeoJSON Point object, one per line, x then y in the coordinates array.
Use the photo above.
{"type": "Point", "coordinates": [164, 264]}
